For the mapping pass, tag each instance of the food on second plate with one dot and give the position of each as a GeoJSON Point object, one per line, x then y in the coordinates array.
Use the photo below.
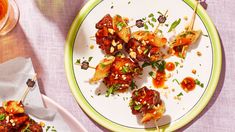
{"type": "Point", "coordinates": [14, 119]}
{"type": "Point", "coordinates": [112, 34]}
{"type": "Point", "coordinates": [145, 46]}
{"type": "Point", "coordinates": [148, 103]}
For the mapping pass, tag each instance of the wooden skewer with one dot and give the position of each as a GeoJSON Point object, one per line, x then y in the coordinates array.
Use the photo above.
{"type": "Point", "coordinates": [191, 25]}
{"type": "Point", "coordinates": [156, 125]}
{"type": "Point", "coordinates": [156, 30]}
{"type": "Point", "coordinates": [27, 89]}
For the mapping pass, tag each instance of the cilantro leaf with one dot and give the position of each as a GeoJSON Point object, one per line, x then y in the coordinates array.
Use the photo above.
{"type": "Point", "coordinates": [177, 63]}
{"type": "Point", "coordinates": [174, 25]}
{"type": "Point", "coordinates": [90, 58]}
{"type": "Point", "coordinates": [120, 25]}
{"type": "Point", "coordinates": [175, 80]}
{"type": "Point", "coordinates": [180, 94]}
{"type": "Point", "coordinates": [151, 15]}
{"type": "Point", "coordinates": [112, 89]}
{"type": "Point", "coordinates": [145, 64]}
{"type": "Point", "coordinates": [199, 83]}
{"type": "Point", "coordinates": [138, 107]}
{"type": "Point", "coordinates": [160, 65]}
{"type": "Point", "coordinates": [152, 74]}
{"type": "Point", "coordinates": [133, 85]}
{"type": "Point", "coordinates": [2, 117]}
{"type": "Point", "coordinates": [78, 61]}
{"type": "Point", "coordinates": [146, 26]}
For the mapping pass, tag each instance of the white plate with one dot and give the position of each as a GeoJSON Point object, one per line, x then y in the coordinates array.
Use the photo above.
{"type": "Point", "coordinates": [113, 112]}
{"type": "Point", "coordinates": [74, 125]}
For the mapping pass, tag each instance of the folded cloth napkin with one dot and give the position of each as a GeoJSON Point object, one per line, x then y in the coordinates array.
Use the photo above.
{"type": "Point", "coordinates": [13, 77]}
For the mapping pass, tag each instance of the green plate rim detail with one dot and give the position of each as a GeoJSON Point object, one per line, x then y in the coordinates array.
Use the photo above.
{"type": "Point", "coordinates": [216, 69]}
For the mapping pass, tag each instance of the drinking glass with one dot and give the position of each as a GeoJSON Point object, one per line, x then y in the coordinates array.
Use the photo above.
{"type": "Point", "coordinates": [9, 16]}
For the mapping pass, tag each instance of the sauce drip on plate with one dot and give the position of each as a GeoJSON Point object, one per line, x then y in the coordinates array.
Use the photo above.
{"type": "Point", "coordinates": [160, 79]}
{"type": "Point", "coordinates": [170, 66]}
{"type": "Point", "coordinates": [188, 84]}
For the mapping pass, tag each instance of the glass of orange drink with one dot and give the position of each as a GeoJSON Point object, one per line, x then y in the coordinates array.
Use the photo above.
{"type": "Point", "coordinates": [9, 16]}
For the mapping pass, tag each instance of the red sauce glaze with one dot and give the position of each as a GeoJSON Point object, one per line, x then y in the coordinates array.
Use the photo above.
{"type": "Point", "coordinates": [159, 80]}
{"type": "Point", "coordinates": [146, 97]}
{"type": "Point", "coordinates": [188, 84]}
{"type": "Point", "coordinates": [178, 49]}
{"type": "Point", "coordinates": [170, 66]}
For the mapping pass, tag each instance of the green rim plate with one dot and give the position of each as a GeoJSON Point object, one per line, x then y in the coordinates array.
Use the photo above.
{"type": "Point", "coordinates": [217, 63]}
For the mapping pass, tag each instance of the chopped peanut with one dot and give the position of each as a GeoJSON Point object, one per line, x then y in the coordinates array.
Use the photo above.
{"type": "Point", "coordinates": [199, 53]}
{"type": "Point", "coordinates": [119, 47]}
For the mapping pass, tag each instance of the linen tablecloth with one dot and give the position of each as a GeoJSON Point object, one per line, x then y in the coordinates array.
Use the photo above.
{"type": "Point", "coordinates": [41, 34]}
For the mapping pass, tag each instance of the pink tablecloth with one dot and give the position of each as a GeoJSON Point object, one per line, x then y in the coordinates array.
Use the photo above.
{"type": "Point", "coordinates": [41, 33]}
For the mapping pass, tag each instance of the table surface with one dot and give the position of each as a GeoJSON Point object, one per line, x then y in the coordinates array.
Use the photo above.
{"type": "Point", "coordinates": [41, 34]}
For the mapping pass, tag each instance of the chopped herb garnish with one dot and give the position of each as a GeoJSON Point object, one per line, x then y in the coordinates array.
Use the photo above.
{"type": "Point", "coordinates": [145, 64]}
{"type": "Point", "coordinates": [174, 25]}
{"type": "Point", "coordinates": [160, 31]}
{"type": "Point", "coordinates": [125, 69]}
{"type": "Point", "coordinates": [199, 83]}
{"type": "Point", "coordinates": [129, 2]}
{"type": "Point", "coordinates": [47, 129]}
{"type": "Point", "coordinates": [175, 80]}
{"type": "Point", "coordinates": [146, 26]}
{"type": "Point", "coordinates": [151, 24]}
{"type": "Point", "coordinates": [111, 7]}
{"type": "Point", "coordinates": [154, 19]}
{"type": "Point", "coordinates": [2, 117]}
{"type": "Point", "coordinates": [138, 107]}
{"type": "Point", "coordinates": [99, 94]}
{"type": "Point", "coordinates": [180, 94]}
{"type": "Point", "coordinates": [136, 93]}
{"type": "Point", "coordinates": [202, 85]}
{"type": "Point", "coordinates": [102, 65]}
{"type": "Point", "coordinates": [177, 63]}
{"type": "Point", "coordinates": [112, 89]}
{"type": "Point", "coordinates": [166, 25]}
{"type": "Point", "coordinates": [145, 51]}
{"type": "Point", "coordinates": [26, 129]}
{"type": "Point", "coordinates": [151, 15]}
{"type": "Point", "coordinates": [144, 18]}
{"type": "Point", "coordinates": [152, 74]}
{"type": "Point", "coordinates": [120, 25]}
{"type": "Point", "coordinates": [159, 13]}
{"type": "Point", "coordinates": [131, 103]}
{"type": "Point", "coordinates": [133, 85]}
{"type": "Point", "coordinates": [89, 59]}
{"type": "Point", "coordinates": [78, 61]}
{"type": "Point", "coordinates": [180, 55]}
{"type": "Point", "coordinates": [160, 65]}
